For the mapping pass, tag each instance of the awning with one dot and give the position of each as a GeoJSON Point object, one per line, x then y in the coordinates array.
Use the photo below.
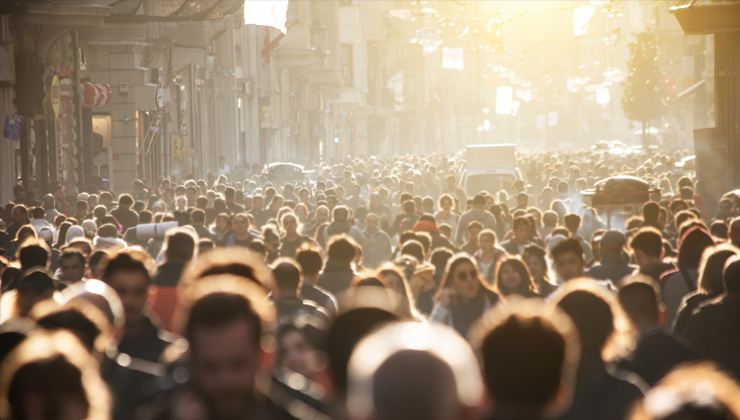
{"type": "Point", "coordinates": [172, 10]}
{"type": "Point", "coordinates": [691, 89]}
{"type": "Point", "coordinates": [95, 95]}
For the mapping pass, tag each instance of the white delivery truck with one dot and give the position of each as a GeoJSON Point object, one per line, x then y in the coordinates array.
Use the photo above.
{"type": "Point", "coordinates": [489, 167]}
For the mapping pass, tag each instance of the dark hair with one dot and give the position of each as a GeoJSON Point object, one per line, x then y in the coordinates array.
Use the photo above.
{"type": "Point", "coordinates": [180, 246]}
{"type": "Point", "coordinates": [219, 309]}
{"type": "Point", "coordinates": [413, 248]}
{"type": "Point", "coordinates": [310, 260]}
{"type": "Point", "coordinates": [566, 246]}
{"type": "Point", "coordinates": [640, 299]}
{"type": "Point", "coordinates": [198, 216]}
{"type": "Point", "coordinates": [526, 287]}
{"type": "Point", "coordinates": [475, 224]}
{"type": "Point", "coordinates": [257, 245]}
{"type": "Point", "coordinates": [572, 222]}
{"type": "Point", "coordinates": [648, 240]}
{"type": "Point", "coordinates": [20, 207]}
{"type": "Point", "coordinates": [287, 274]}
{"type": "Point", "coordinates": [521, 221]}
{"type": "Point", "coordinates": [693, 244]}
{"type": "Point", "coordinates": [711, 269]}
{"type": "Point", "coordinates": [345, 333]}
{"type": "Point", "coordinates": [650, 211]}
{"type": "Point", "coordinates": [34, 252]}
{"type": "Point", "coordinates": [523, 360]}
{"type": "Point", "coordinates": [38, 213]}
{"type": "Point", "coordinates": [440, 257]}
{"type": "Point", "coordinates": [52, 380]}
{"type": "Point", "coordinates": [675, 204]}
{"type": "Point", "coordinates": [591, 315]}
{"type": "Point", "coordinates": [72, 253]}
{"type": "Point", "coordinates": [343, 248]}
{"type": "Point", "coordinates": [409, 207]}
{"type": "Point", "coordinates": [452, 264]}
{"type": "Point", "coordinates": [731, 275]}
{"type": "Point", "coordinates": [127, 261]}
{"type": "Point", "coordinates": [719, 229]}
{"type": "Point", "coordinates": [125, 200]}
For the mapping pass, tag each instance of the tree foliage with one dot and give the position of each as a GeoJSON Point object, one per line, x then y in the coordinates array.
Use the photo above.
{"type": "Point", "coordinates": [645, 95]}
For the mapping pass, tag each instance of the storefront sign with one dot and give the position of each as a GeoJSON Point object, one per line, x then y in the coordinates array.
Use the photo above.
{"type": "Point", "coordinates": [53, 97]}
{"type": "Point", "coordinates": [176, 146]}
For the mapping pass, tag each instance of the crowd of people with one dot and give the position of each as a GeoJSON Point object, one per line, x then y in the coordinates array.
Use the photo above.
{"type": "Point", "coordinates": [375, 289]}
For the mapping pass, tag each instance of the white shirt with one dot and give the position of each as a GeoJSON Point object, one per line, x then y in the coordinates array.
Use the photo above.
{"type": "Point", "coordinates": [222, 171]}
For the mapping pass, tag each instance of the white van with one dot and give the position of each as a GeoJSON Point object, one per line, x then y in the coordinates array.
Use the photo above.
{"type": "Point", "coordinates": [490, 167]}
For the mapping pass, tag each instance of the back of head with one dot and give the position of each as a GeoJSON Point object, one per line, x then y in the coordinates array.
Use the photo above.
{"type": "Point", "coordinates": [414, 384]}
{"type": "Point", "coordinates": [648, 241]}
{"type": "Point", "coordinates": [34, 253]}
{"type": "Point", "coordinates": [413, 248]}
{"type": "Point", "coordinates": [52, 373]}
{"type": "Point", "coordinates": [342, 248]}
{"type": "Point", "coordinates": [180, 246]}
{"type": "Point", "coordinates": [233, 261]}
{"type": "Point", "coordinates": [592, 316]}
{"type": "Point", "coordinates": [310, 260]}
{"type": "Point", "coordinates": [731, 276]}
{"type": "Point", "coordinates": [550, 218]}
{"type": "Point", "coordinates": [528, 355]}
{"type": "Point", "coordinates": [287, 275]}
{"type": "Point", "coordinates": [410, 371]}
{"type": "Point", "coordinates": [346, 331]}
{"type": "Point", "coordinates": [650, 211]}
{"type": "Point", "coordinates": [697, 391]}
{"type": "Point", "coordinates": [641, 299]}
{"type": "Point", "coordinates": [693, 244]}
{"type": "Point", "coordinates": [479, 200]}
{"type": "Point", "coordinates": [572, 222]}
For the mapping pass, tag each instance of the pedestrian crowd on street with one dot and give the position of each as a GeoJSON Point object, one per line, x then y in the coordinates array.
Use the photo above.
{"type": "Point", "coordinates": [375, 288]}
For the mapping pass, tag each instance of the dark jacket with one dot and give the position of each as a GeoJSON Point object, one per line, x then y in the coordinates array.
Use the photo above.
{"type": "Point", "coordinates": [601, 394]}
{"type": "Point", "coordinates": [134, 384]}
{"type": "Point", "coordinates": [713, 333]}
{"type": "Point", "coordinates": [127, 218]}
{"type": "Point", "coordinates": [656, 355]}
{"type": "Point", "coordinates": [203, 232]}
{"type": "Point", "coordinates": [322, 297]}
{"type": "Point", "coordinates": [337, 276]}
{"type": "Point", "coordinates": [612, 268]}
{"type": "Point", "coordinates": [656, 270]}
{"type": "Point", "coordinates": [511, 247]}
{"type": "Point", "coordinates": [290, 308]}
{"type": "Point", "coordinates": [690, 304]}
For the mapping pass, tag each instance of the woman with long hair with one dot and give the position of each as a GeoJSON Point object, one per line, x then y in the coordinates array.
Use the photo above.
{"type": "Point", "coordinates": [710, 283]}
{"type": "Point", "coordinates": [535, 258]}
{"type": "Point", "coordinates": [513, 278]}
{"type": "Point", "coordinates": [220, 228]}
{"type": "Point", "coordinates": [463, 296]}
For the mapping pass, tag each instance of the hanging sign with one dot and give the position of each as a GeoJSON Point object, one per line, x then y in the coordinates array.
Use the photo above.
{"type": "Point", "coordinates": [176, 146]}
{"type": "Point", "coordinates": [53, 97]}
